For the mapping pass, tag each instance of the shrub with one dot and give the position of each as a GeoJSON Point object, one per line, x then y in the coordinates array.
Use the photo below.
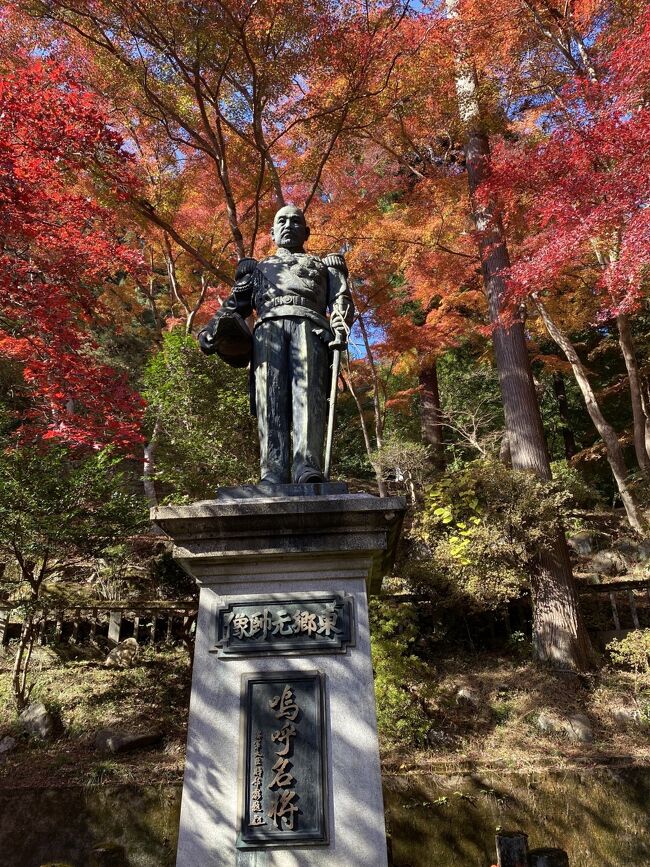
{"type": "Point", "coordinates": [583, 495]}
{"type": "Point", "coordinates": [401, 678]}
{"type": "Point", "coordinates": [202, 409]}
{"type": "Point", "coordinates": [479, 530]}
{"type": "Point", "coordinates": [633, 651]}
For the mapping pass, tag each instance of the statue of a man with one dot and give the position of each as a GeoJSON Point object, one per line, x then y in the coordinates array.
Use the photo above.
{"type": "Point", "coordinates": [292, 293]}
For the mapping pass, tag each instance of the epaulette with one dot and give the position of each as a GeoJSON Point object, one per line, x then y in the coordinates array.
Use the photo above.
{"type": "Point", "coordinates": [336, 261]}
{"type": "Point", "coordinates": [245, 267]}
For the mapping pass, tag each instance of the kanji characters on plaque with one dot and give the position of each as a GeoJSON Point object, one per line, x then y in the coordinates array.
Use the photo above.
{"type": "Point", "coordinates": [262, 625]}
{"type": "Point", "coordinates": [283, 805]}
{"type": "Point", "coordinates": [257, 810]}
{"type": "Point", "coordinates": [284, 791]}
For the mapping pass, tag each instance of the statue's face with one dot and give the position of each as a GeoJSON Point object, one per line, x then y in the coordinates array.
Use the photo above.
{"type": "Point", "coordinates": [290, 229]}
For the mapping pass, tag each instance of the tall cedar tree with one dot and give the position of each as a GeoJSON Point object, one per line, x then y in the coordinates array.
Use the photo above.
{"type": "Point", "coordinates": [559, 633]}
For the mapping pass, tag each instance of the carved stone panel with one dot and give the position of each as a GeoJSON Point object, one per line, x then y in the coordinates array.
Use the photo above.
{"type": "Point", "coordinates": [283, 767]}
{"type": "Point", "coordinates": [313, 623]}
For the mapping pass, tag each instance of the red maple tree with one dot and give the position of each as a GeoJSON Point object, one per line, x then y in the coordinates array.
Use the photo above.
{"type": "Point", "coordinates": [582, 191]}
{"type": "Point", "coordinates": [62, 170]}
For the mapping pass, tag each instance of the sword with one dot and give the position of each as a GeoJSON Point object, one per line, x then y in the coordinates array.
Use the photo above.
{"type": "Point", "coordinates": [337, 346]}
{"type": "Point", "coordinates": [336, 364]}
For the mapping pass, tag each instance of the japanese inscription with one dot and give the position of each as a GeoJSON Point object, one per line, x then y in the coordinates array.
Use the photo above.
{"type": "Point", "coordinates": [257, 813]}
{"type": "Point", "coordinates": [318, 623]}
{"type": "Point", "coordinates": [282, 807]}
{"type": "Point", "coordinates": [283, 765]}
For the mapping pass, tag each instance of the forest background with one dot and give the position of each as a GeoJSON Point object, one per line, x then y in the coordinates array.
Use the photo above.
{"type": "Point", "coordinates": [486, 173]}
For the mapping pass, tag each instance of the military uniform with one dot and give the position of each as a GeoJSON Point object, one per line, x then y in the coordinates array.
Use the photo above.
{"type": "Point", "coordinates": [291, 293]}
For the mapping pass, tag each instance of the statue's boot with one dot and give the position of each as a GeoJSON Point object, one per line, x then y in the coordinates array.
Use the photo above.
{"type": "Point", "coordinates": [310, 477]}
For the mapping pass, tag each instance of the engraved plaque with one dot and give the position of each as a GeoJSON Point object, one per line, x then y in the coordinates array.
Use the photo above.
{"type": "Point", "coordinates": [313, 623]}
{"type": "Point", "coordinates": [283, 768]}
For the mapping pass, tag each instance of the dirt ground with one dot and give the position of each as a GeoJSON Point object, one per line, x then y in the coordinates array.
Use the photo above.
{"type": "Point", "coordinates": [483, 711]}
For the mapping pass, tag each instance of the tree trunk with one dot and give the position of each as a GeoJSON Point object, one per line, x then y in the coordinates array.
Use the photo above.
{"type": "Point", "coordinates": [526, 438]}
{"type": "Point", "coordinates": [376, 391]}
{"type": "Point", "coordinates": [606, 431]}
{"type": "Point", "coordinates": [527, 442]}
{"type": "Point", "coordinates": [645, 400]}
{"type": "Point", "coordinates": [504, 451]}
{"type": "Point", "coordinates": [21, 663]}
{"type": "Point", "coordinates": [150, 466]}
{"type": "Point", "coordinates": [563, 410]}
{"type": "Point", "coordinates": [559, 634]}
{"type": "Point", "coordinates": [432, 414]}
{"type": "Point", "coordinates": [638, 414]}
{"type": "Point", "coordinates": [376, 465]}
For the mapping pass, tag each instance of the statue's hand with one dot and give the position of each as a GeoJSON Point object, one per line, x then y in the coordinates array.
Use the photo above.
{"type": "Point", "coordinates": [206, 341]}
{"type": "Point", "coordinates": [340, 329]}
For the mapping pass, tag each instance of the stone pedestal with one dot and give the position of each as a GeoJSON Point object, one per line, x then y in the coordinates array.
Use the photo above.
{"type": "Point", "coordinates": [280, 562]}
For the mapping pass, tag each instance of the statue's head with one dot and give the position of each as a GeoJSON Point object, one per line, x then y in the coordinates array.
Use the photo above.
{"type": "Point", "coordinates": [290, 229]}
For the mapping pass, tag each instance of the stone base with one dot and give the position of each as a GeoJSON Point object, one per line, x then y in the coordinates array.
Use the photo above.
{"type": "Point", "coordinates": [241, 538]}
{"type": "Point", "coordinates": [266, 489]}
{"type": "Point", "coordinates": [279, 548]}
{"type": "Point", "coordinates": [210, 813]}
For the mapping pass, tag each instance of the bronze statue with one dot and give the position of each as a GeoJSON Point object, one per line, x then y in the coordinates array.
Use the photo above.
{"type": "Point", "coordinates": [290, 347]}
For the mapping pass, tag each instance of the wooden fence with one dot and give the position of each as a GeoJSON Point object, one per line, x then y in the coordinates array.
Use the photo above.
{"type": "Point", "coordinates": [152, 622]}
{"type": "Point", "coordinates": [614, 609]}
{"type": "Point", "coordinates": [618, 607]}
